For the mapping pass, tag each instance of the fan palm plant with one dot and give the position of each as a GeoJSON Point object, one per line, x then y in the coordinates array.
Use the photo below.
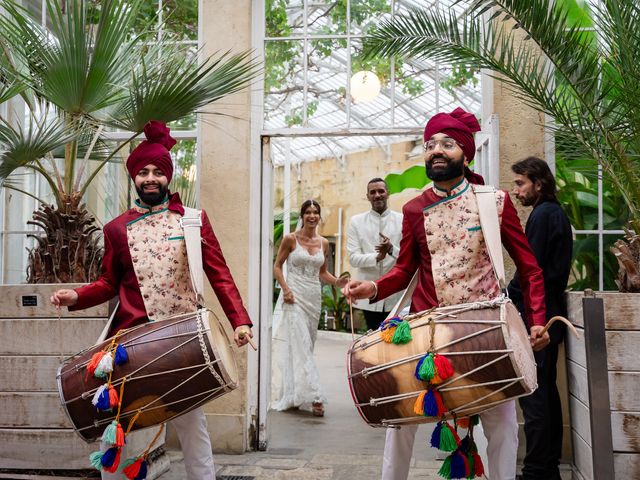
{"type": "Point", "coordinates": [86, 73]}
{"type": "Point", "coordinates": [588, 80]}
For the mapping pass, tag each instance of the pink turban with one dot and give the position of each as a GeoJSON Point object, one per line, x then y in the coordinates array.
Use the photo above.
{"type": "Point", "coordinates": [459, 125]}
{"type": "Point", "coordinates": [155, 150]}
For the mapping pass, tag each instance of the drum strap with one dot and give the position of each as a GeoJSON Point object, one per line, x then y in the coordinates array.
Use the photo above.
{"type": "Point", "coordinates": [191, 222]}
{"type": "Point", "coordinates": [490, 224]}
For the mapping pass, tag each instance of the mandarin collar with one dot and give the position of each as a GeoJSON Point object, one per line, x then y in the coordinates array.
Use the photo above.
{"type": "Point", "coordinates": [172, 203]}
{"type": "Point", "coordinates": [383, 214]}
{"type": "Point", "coordinates": [456, 189]}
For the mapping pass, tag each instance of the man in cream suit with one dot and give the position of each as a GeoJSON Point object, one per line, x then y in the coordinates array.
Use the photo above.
{"type": "Point", "coordinates": [373, 244]}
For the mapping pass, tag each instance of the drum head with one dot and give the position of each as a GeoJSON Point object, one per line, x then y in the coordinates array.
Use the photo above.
{"type": "Point", "coordinates": [221, 345]}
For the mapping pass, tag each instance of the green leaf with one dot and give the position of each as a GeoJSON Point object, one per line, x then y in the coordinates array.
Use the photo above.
{"type": "Point", "coordinates": [413, 177]}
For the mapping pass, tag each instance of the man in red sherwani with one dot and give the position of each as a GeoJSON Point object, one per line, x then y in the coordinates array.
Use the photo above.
{"type": "Point", "coordinates": [442, 240]}
{"type": "Point", "coordinates": [145, 264]}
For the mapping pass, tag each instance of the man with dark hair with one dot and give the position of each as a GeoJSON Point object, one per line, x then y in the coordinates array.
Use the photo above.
{"type": "Point", "coordinates": [549, 233]}
{"type": "Point", "coordinates": [373, 242]}
{"type": "Point", "coordinates": [442, 241]}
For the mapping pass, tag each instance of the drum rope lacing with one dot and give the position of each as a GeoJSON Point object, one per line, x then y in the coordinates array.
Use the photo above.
{"type": "Point", "coordinates": [130, 377]}
{"type": "Point", "coordinates": [385, 366]}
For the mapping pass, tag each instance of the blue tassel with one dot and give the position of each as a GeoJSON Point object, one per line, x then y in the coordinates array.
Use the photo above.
{"type": "Point", "coordinates": [458, 466]}
{"type": "Point", "coordinates": [430, 405]}
{"type": "Point", "coordinates": [103, 400]}
{"type": "Point", "coordinates": [109, 457]}
{"type": "Point", "coordinates": [142, 474]}
{"type": "Point", "coordinates": [435, 436]}
{"type": "Point", "coordinates": [121, 356]}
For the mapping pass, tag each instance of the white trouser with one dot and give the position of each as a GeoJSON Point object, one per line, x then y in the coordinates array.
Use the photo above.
{"type": "Point", "coordinates": [194, 441]}
{"type": "Point", "coordinates": [500, 426]}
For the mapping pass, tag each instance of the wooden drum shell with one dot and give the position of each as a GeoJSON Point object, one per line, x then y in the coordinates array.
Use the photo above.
{"type": "Point", "coordinates": [174, 366]}
{"type": "Point", "coordinates": [504, 337]}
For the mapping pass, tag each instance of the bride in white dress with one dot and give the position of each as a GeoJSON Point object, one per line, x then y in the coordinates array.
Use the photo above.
{"type": "Point", "coordinates": [294, 381]}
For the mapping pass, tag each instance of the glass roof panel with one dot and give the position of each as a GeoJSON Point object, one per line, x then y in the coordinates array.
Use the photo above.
{"type": "Point", "coordinates": [307, 81]}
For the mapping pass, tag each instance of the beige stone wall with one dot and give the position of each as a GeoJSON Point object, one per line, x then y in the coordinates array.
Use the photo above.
{"type": "Point", "coordinates": [335, 186]}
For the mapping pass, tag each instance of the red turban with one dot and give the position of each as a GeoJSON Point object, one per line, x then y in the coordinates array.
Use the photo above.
{"type": "Point", "coordinates": [155, 150]}
{"type": "Point", "coordinates": [459, 125]}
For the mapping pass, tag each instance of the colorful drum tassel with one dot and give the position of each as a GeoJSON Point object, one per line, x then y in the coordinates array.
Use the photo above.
{"type": "Point", "coordinates": [105, 366]}
{"type": "Point", "coordinates": [395, 330]}
{"type": "Point", "coordinates": [93, 363]}
{"type": "Point", "coordinates": [120, 357]}
{"type": "Point", "coordinates": [101, 398]}
{"type": "Point", "coordinates": [466, 422]}
{"type": "Point", "coordinates": [443, 367]}
{"type": "Point", "coordinates": [425, 369]}
{"type": "Point", "coordinates": [429, 404]}
{"type": "Point", "coordinates": [113, 434]}
{"type": "Point", "coordinates": [444, 437]}
{"type": "Point", "coordinates": [114, 400]}
{"type": "Point", "coordinates": [107, 461]}
{"type": "Point", "coordinates": [135, 468]}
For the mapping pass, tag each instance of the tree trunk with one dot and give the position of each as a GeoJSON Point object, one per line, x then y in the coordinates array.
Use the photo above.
{"type": "Point", "coordinates": [69, 249]}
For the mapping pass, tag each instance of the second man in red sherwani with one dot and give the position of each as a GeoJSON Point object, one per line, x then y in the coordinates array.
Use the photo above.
{"type": "Point", "coordinates": [442, 240]}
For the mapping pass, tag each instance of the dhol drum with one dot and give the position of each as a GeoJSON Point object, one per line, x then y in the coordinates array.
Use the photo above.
{"type": "Point", "coordinates": [487, 346]}
{"type": "Point", "coordinates": [173, 366]}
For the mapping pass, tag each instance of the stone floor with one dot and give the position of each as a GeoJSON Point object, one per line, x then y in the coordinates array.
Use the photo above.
{"type": "Point", "coordinates": [338, 446]}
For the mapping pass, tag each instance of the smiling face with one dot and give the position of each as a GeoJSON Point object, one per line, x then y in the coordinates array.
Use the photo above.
{"type": "Point", "coordinates": [378, 196]}
{"type": "Point", "coordinates": [443, 158]}
{"type": "Point", "coordinates": [311, 216]}
{"type": "Point", "coordinates": [151, 185]}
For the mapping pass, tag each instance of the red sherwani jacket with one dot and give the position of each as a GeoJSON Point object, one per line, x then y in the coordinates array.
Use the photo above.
{"type": "Point", "coordinates": [414, 254]}
{"type": "Point", "coordinates": [119, 278]}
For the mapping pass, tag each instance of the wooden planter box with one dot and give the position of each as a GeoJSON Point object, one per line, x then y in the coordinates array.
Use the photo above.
{"type": "Point", "coordinates": [604, 385]}
{"type": "Point", "coordinates": [35, 433]}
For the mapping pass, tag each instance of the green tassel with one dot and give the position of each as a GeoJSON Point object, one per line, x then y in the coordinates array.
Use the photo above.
{"type": "Point", "coordinates": [427, 369]}
{"type": "Point", "coordinates": [95, 459]}
{"type": "Point", "coordinates": [447, 440]}
{"type": "Point", "coordinates": [402, 334]}
{"type": "Point", "coordinates": [474, 420]}
{"type": "Point", "coordinates": [109, 435]}
{"type": "Point", "coordinates": [471, 465]}
{"type": "Point", "coordinates": [445, 469]}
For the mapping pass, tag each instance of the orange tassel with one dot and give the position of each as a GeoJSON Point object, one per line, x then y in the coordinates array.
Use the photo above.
{"type": "Point", "coordinates": [387, 334]}
{"type": "Point", "coordinates": [463, 422]}
{"type": "Point", "coordinates": [418, 407]}
{"type": "Point", "coordinates": [113, 397]}
{"type": "Point", "coordinates": [93, 363]}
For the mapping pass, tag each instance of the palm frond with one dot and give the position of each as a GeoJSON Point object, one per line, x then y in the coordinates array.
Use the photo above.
{"type": "Point", "coordinates": [75, 65]}
{"type": "Point", "coordinates": [25, 145]}
{"type": "Point", "coordinates": [175, 85]}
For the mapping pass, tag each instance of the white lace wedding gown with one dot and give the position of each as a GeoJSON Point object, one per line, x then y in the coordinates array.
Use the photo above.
{"type": "Point", "coordinates": [294, 380]}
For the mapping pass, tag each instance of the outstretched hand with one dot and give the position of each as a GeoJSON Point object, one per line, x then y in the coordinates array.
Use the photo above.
{"type": "Point", "coordinates": [358, 289]}
{"type": "Point", "coordinates": [65, 297]}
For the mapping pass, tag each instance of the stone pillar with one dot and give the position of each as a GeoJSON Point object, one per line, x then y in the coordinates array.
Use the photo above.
{"type": "Point", "coordinates": [225, 194]}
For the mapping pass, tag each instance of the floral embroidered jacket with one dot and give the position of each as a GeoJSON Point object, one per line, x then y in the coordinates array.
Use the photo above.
{"type": "Point", "coordinates": [441, 237]}
{"type": "Point", "coordinates": [145, 263]}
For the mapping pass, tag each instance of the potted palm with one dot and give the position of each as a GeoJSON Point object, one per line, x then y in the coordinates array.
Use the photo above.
{"type": "Point", "coordinates": [92, 70]}
{"type": "Point", "coordinates": [578, 64]}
